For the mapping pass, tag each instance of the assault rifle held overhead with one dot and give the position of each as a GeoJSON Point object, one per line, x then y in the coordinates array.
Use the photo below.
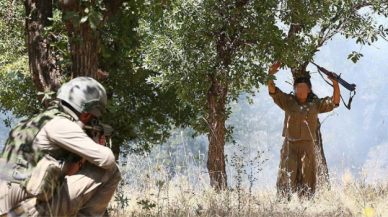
{"type": "Point", "coordinates": [350, 87]}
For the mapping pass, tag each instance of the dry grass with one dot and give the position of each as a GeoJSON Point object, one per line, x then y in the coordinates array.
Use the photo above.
{"type": "Point", "coordinates": [150, 190]}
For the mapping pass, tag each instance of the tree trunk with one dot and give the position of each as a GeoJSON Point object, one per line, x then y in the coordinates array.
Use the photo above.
{"type": "Point", "coordinates": [45, 74]}
{"type": "Point", "coordinates": [83, 51]}
{"type": "Point", "coordinates": [84, 41]}
{"type": "Point", "coordinates": [83, 45]}
{"type": "Point", "coordinates": [300, 71]}
{"type": "Point", "coordinates": [216, 98]}
{"type": "Point", "coordinates": [323, 179]}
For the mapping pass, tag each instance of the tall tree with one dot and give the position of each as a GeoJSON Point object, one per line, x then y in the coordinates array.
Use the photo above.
{"type": "Point", "coordinates": [310, 24]}
{"type": "Point", "coordinates": [211, 51]}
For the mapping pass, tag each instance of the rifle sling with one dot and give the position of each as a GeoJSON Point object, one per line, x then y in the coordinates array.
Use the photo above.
{"type": "Point", "coordinates": [348, 106]}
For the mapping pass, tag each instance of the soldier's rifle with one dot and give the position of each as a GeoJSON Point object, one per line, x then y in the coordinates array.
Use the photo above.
{"type": "Point", "coordinates": [350, 87]}
{"type": "Point", "coordinates": [97, 129]}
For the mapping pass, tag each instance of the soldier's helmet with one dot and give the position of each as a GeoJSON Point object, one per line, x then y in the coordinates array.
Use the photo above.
{"type": "Point", "coordinates": [85, 95]}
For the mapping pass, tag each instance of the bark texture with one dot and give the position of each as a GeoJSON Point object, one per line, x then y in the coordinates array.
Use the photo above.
{"type": "Point", "coordinates": [216, 98]}
{"type": "Point", "coordinates": [45, 74]}
{"type": "Point", "coordinates": [83, 43]}
{"type": "Point", "coordinates": [84, 39]}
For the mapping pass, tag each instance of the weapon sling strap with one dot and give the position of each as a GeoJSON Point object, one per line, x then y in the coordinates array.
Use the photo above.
{"type": "Point", "coordinates": [348, 106]}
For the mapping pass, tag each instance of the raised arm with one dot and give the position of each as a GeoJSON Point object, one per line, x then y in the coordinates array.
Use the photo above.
{"type": "Point", "coordinates": [336, 90]}
{"type": "Point", "coordinates": [272, 70]}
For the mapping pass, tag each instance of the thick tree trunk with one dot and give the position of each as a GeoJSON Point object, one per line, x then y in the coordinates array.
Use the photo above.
{"type": "Point", "coordinates": [323, 179]}
{"type": "Point", "coordinates": [84, 41]}
{"type": "Point", "coordinates": [45, 74]}
{"type": "Point", "coordinates": [216, 98]}
{"type": "Point", "coordinates": [84, 55]}
{"type": "Point", "coordinates": [83, 45]}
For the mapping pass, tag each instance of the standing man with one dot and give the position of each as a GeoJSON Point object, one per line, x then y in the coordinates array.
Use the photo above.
{"type": "Point", "coordinates": [297, 169]}
{"type": "Point", "coordinates": [50, 167]}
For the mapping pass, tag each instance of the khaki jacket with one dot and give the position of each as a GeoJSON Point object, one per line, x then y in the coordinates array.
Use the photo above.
{"type": "Point", "coordinates": [59, 133]}
{"type": "Point", "coordinates": [300, 121]}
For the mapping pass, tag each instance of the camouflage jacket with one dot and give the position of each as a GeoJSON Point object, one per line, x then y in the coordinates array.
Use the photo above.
{"type": "Point", "coordinates": [19, 156]}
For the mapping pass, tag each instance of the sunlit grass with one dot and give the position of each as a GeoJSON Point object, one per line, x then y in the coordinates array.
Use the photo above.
{"type": "Point", "coordinates": [149, 189]}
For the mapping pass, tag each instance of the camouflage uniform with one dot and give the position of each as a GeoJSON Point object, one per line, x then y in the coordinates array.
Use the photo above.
{"type": "Point", "coordinates": [297, 169]}
{"type": "Point", "coordinates": [60, 135]}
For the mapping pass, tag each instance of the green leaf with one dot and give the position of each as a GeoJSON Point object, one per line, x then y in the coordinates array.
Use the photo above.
{"type": "Point", "coordinates": [158, 11]}
{"type": "Point", "coordinates": [93, 23]}
{"type": "Point", "coordinates": [94, 18]}
{"type": "Point", "coordinates": [69, 15]}
{"type": "Point", "coordinates": [76, 20]}
{"type": "Point", "coordinates": [84, 19]}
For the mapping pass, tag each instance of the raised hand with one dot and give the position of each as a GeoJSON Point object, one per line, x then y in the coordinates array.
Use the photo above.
{"type": "Point", "coordinates": [274, 68]}
{"type": "Point", "coordinates": [332, 80]}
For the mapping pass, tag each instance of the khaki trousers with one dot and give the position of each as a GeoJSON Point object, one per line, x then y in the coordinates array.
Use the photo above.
{"type": "Point", "coordinates": [297, 169]}
{"type": "Point", "coordinates": [86, 193]}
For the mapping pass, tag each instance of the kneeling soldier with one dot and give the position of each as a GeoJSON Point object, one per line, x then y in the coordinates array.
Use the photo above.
{"type": "Point", "coordinates": [50, 167]}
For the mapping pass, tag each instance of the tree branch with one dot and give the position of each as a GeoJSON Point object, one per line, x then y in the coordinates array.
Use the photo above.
{"type": "Point", "coordinates": [241, 3]}
{"type": "Point", "coordinates": [246, 42]}
{"type": "Point", "coordinates": [339, 15]}
{"type": "Point", "coordinates": [113, 6]}
{"type": "Point", "coordinates": [295, 25]}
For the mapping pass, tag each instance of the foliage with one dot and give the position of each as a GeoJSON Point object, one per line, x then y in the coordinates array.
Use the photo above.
{"type": "Point", "coordinates": [60, 42]}
{"type": "Point", "coordinates": [183, 47]}
{"type": "Point", "coordinates": [17, 92]}
{"type": "Point", "coordinates": [142, 112]}
{"type": "Point", "coordinates": [310, 24]}
{"type": "Point", "coordinates": [160, 53]}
